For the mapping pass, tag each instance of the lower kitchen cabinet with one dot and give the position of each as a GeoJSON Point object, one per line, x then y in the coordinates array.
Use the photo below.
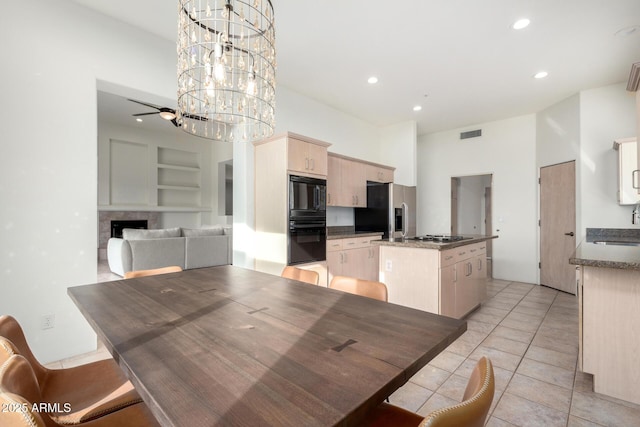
{"type": "Point", "coordinates": [450, 282]}
{"type": "Point", "coordinates": [353, 257]}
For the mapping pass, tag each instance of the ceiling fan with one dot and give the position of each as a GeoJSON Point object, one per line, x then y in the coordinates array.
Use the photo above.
{"type": "Point", "coordinates": [166, 113]}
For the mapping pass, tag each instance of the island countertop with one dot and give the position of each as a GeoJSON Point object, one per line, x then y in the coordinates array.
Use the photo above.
{"type": "Point", "coordinates": [440, 246]}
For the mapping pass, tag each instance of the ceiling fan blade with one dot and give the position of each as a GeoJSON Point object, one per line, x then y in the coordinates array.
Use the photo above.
{"type": "Point", "coordinates": [195, 117]}
{"type": "Point", "coordinates": [157, 107]}
{"type": "Point", "coordinates": [145, 114]}
{"type": "Point", "coordinates": [175, 122]}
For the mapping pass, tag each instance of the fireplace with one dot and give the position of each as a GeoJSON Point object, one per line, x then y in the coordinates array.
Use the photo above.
{"type": "Point", "coordinates": [118, 225]}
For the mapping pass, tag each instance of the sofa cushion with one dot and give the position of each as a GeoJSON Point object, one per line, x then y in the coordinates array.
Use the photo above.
{"type": "Point", "coordinates": [136, 234]}
{"type": "Point", "coordinates": [155, 253]}
{"type": "Point", "coordinates": [207, 251]}
{"type": "Point", "coordinates": [202, 232]}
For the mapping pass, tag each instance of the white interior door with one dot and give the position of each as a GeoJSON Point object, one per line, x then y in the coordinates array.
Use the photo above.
{"type": "Point", "coordinates": [558, 226]}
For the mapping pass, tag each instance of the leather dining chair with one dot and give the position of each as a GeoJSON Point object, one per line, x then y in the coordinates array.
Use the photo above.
{"type": "Point", "coordinates": [20, 391]}
{"type": "Point", "coordinates": [471, 412]}
{"type": "Point", "coordinates": [365, 288]}
{"type": "Point", "coordinates": [152, 272]}
{"type": "Point", "coordinates": [300, 274]}
{"type": "Point", "coordinates": [93, 388]}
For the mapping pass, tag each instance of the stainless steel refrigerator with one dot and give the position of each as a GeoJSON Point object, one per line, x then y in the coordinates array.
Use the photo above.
{"type": "Point", "coordinates": [391, 209]}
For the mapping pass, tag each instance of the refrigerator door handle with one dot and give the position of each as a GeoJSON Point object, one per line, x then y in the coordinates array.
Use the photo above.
{"type": "Point", "coordinates": [405, 219]}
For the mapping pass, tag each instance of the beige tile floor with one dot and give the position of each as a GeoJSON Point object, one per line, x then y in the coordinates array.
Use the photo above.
{"type": "Point", "coordinates": [530, 333]}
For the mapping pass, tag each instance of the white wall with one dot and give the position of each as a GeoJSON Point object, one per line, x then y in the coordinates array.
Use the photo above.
{"type": "Point", "coordinates": [506, 150]}
{"type": "Point", "coordinates": [211, 153]}
{"type": "Point", "coordinates": [398, 146]}
{"type": "Point", "coordinates": [48, 155]}
{"type": "Point", "coordinates": [606, 114]}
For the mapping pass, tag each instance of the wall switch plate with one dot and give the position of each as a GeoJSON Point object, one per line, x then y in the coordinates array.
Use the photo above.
{"type": "Point", "coordinates": [47, 321]}
{"type": "Point", "coordinates": [388, 265]}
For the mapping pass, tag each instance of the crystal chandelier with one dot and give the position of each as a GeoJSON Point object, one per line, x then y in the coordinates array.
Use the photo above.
{"type": "Point", "coordinates": [226, 69]}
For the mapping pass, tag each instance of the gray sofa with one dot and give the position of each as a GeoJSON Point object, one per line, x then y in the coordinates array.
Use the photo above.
{"type": "Point", "coordinates": [185, 247]}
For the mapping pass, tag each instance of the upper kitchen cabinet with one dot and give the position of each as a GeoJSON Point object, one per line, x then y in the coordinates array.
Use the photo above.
{"type": "Point", "coordinates": [632, 86]}
{"type": "Point", "coordinates": [347, 180]}
{"type": "Point", "coordinates": [377, 173]}
{"type": "Point", "coordinates": [627, 171]}
{"type": "Point", "coordinates": [306, 155]}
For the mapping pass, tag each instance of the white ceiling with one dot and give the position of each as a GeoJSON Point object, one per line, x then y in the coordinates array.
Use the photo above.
{"type": "Point", "coordinates": [459, 59]}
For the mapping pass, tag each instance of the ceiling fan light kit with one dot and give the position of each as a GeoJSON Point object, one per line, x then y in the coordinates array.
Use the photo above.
{"type": "Point", "coordinates": [226, 69]}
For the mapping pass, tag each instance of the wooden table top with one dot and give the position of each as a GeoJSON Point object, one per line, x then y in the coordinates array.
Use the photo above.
{"type": "Point", "coordinates": [235, 347]}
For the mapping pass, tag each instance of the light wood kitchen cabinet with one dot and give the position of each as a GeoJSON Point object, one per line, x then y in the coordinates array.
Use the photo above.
{"type": "Point", "coordinates": [353, 257]}
{"type": "Point", "coordinates": [609, 322]}
{"type": "Point", "coordinates": [450, 282]}
{"type": "Point", "coordinates": [628, 178]}
{"type": "Point", "coordinates": [346, 182]}
{"type": "Point", "coordinates": [307, 157]}
{"type": "Point", "coordinates": [273, 159]}
{"type": "Point", "coordinates": [379, 173]}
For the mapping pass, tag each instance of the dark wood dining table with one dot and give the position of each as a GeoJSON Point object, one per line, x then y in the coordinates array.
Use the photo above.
{"type": "Point", "coordinates": [228, 346]}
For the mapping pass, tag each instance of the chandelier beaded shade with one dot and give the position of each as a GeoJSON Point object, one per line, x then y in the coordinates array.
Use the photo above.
{"type": "Point", "coordinates": [226, 69]}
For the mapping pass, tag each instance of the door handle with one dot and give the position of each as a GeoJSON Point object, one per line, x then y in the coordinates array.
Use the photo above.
{"type": "Point", "coordinates": [569, 234]}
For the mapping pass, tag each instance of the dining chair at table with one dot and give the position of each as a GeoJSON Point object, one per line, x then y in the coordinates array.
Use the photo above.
{"type": "Point", "coordinates": [98, 387]}
{"type": "Point", "coordinates": [471, 412]}
{"type": "Point", "coordinates": [300, 274]}
{"type": "Point", "coordinates": [152, 271]}
{"type": "Point", "coordinates": [20, 392]}
{"type": "Point", "coordinates": [365, 288]}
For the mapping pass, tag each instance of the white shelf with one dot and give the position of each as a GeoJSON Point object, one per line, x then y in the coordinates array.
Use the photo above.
{"type": "Point", "coordinates": [179, 187]}
{"type": "Point", "coordinates": [146, 208]}
{"type": "Point", "coordinates": [178, 167]}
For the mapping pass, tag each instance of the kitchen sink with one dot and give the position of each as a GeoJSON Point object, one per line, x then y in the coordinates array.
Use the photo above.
{"type": "Point", "coordinates": [616, 243]}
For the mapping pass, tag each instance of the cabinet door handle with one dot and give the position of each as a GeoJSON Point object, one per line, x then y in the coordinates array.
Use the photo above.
{"type": "Point", "coordinates": [634, 179]}
{"type": "Point", "coordinates": [306, 163]}
{"type": "Point", "coordinates": [329, 198]}
{"type": "Point", "coordinates": [479, 265]}
{"type": "Point", "coordinates": [313, 164]}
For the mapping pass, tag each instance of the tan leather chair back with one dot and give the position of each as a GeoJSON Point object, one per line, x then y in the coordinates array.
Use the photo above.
{"type": "Point", "coordinates": [17, 377]}
{"type": "Point", "coordinates": [7, 349]}
{"type": "Point", "coordinates": [300, 274]}
{"type": "Point", "coordinates": [473, 410]}
{"type": "Point", "coordinates": [365, 288]}
{"type": "Point", "coordinates": [21, 413]}
{"type": "Point", "coordinates": [152, 272]}
{"type": "Point", "coordinates": [11, 330]}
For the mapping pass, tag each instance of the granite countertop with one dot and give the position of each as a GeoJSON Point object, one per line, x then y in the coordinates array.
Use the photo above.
{"type": "Point", "coordinates": [594, 254]}
{"type": "Point", "coordinates": [472, 238]}
{"type": "Point", "coordinates": [349, 231]}
{"type": "Point", "coordinates": [607, 256]}
{"type": "Point", "coordinates": [347, 235]}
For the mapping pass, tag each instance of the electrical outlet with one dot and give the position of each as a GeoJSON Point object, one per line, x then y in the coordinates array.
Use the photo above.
{"type": "Point", "coordinates": [389, 265]}
{"type": "Point", "coordinates": [47, 321]}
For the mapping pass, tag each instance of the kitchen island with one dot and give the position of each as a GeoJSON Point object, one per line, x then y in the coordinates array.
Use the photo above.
{"type": "Point", "coordinates": [442, 277]}
{"type": "Point", "coordinates": [608, 279]}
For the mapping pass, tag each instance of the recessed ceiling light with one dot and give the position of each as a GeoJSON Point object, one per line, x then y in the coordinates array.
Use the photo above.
{"type": "Point", "coordinates": [372, 80]}
{"type": "Point", "coordinates": [520, 24]}
{"type": "Point", "coordinates": [417, 108]}
{"type": "Point", "coordinates": [138, 120]}
{"type": "Point", "coordinates": [540, 75]}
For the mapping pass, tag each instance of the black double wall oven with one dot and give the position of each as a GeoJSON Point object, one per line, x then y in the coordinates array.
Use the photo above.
{"type": "Point", "coordinates": [307, 240]}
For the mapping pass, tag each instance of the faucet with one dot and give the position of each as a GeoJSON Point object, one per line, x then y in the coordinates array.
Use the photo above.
{"type": "Point", "coordinates": [635, 215]}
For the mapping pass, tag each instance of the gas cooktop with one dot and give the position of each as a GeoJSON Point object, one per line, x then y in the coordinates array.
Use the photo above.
{"type": "Point", "coordinates": [440, 238]}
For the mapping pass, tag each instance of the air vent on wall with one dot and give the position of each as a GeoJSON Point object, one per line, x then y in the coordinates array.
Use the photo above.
{"type": "Point", "coordinates": [471, 134]}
